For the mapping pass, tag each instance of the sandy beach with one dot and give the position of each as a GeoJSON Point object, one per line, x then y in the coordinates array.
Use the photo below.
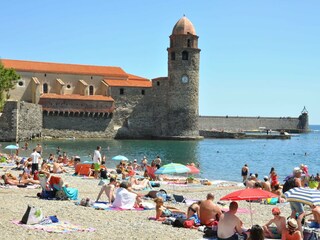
{"type": "Point", "coordinates": [112, 224]}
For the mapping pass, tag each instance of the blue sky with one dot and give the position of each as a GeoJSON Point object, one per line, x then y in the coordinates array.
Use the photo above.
{"type": "Point", "coordinates": [258, 58]}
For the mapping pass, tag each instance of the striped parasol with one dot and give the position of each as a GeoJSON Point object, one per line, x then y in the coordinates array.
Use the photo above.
{"type": "Point", "coordinates": [303, 195]}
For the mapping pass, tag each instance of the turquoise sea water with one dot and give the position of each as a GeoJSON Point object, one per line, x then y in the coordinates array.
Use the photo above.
{"type": "Point", "coordinates": [218, 158]}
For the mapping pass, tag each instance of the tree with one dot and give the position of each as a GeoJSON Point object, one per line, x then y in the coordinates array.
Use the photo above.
{"type": "Point", "coordinates": [8, 79]}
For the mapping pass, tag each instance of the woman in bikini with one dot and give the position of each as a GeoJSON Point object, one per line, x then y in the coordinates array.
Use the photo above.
{"type": "Point", "coordinates": [162, 212]}
{"type": "Point", "coordinates": [193, 212]}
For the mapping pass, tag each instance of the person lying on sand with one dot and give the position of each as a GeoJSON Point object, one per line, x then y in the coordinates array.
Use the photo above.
{"type": "Point", "coordinates": [162, 212]}
{"type": "Point", "coordinates": [109, 189]}
{"type": "Point", "coordinates": [139, 185]}
{"type": "Point", "coordinates": [11, 180]}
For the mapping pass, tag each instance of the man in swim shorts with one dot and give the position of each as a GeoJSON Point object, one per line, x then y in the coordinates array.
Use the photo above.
{"type": "Point", "coordinates": [279, 221]}
{"type": "Point", "coordinates": [97, 161]}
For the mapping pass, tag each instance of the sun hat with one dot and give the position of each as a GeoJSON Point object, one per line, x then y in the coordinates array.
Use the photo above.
{"type": "Point", "coordinates": [292, 223]}
{"type": "Point", "coordinates": [276, 210]}
{"type": "Point", "coordinates": [297, 170]}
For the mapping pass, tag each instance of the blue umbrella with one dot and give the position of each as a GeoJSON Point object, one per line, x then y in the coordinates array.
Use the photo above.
{"type": "Point", "coordinates": [11, 147]}
{"type": "Point", "coordinates": [172, 168]}
{"type": "Point", "coordinates": [303, 195]}
{"type": "Point", "coordinates": [120, 158]}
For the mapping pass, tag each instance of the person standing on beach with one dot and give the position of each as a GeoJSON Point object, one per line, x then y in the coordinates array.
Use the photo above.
{"type": "Point", "coordinates": [35, 156]}
{"type": "Point", "coordinates": [39, 148]}
{"type": "Point", "coordinates": [209, 212]}
{"type": "Point", "coordinates": [244, 172]}
{"type": "Point", "coordinates": [97, 161]}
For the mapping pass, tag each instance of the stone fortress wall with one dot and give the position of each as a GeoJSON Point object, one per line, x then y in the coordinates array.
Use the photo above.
{"type": "Point", "coordinates": [236, 124]}
{"type": "Point", "coordinates": [20, 120]}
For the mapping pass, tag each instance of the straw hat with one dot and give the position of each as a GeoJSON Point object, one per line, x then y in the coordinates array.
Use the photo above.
{"type": "Point", "coordinates": [292, 223]}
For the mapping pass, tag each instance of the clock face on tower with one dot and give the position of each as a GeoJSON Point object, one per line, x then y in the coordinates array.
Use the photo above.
{"type": "Point", "coordinates": [184, 79]}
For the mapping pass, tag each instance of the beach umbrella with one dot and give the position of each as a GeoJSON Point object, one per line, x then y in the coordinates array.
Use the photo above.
{"type": "Point", "coordinates": [249, 194]}
{"type": "Point", "coordinates": [193, 169]}
{"type": "Point", "coordinates": [303, 195]}
{"type": "Point", "coordinates": [119, 158]}
{"type": "Point", "coordinates": [172, 168]}
{"type": "Point", "coordinates": [11, 147]}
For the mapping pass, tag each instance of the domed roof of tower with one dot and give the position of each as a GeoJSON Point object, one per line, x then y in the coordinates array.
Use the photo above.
{"type": "Point", "coordinates": [183, 26]}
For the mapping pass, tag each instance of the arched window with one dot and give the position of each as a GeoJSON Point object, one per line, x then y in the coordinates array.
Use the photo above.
{"type": "Point", "coordinates": [185, 55]}
{"type": "Point", "coordinates": [189, 43]}
{"type": "Point", "coordinates": [45, 88]}
{"type": "Point", "coordinates": [173, 56]}
{"type": "Point", "coordinates": [91, 89]}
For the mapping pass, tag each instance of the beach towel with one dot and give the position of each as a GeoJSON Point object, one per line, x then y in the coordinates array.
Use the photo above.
{"type": "Point", "coordinates": [59, 227]}
{"type": "Point", "coordinates": [124, 199]}
{"type": "Point", "coordinates": [71, 193]}
{"type": "Point", "coordinates": [108, 206]}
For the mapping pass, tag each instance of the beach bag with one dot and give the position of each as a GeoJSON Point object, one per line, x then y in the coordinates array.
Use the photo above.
{"type": "Point", "coordinates": [155, 184]}
{"type": "Point", "coordinates": [61, 195]}
{"type": "Point", "coordinates": [188, 223]}
{"type": "Point", "coordinates": [33, 215]}
{"type": "Point", "coordinates": [211, 232]}
{"type": "Point", "coordinates": [290, 183]}
{"type": "Point", "coordinates": [179, 222]}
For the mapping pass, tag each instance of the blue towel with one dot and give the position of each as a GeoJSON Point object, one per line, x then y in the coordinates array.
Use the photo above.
{"type": "Point", "coordinates": [71, 193]}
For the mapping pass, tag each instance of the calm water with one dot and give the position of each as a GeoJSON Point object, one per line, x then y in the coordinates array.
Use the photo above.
{"type": "Point", "coordinates": [218, 158]}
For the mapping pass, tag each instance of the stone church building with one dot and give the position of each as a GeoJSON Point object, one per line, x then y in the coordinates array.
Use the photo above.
{"type": "Point", "coordinates": [71, 100]}
{"type": "Point", "coordinates": [83, 101]}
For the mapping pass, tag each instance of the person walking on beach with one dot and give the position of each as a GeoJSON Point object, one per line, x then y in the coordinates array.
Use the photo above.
{"type": "Point", "coordinates": [35, 156]}
{"type": "Point", "coordinates": [97, 161]}
{"type": "Point", "coordinates": [209, 212]}
{"type": "Point", "coordinates": [244, 172]}
{"type": "Point", "coordinates": [297, 207]}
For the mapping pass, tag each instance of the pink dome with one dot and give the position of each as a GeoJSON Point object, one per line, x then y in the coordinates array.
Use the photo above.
{"type": "Point", "coordinates": [183, 26]}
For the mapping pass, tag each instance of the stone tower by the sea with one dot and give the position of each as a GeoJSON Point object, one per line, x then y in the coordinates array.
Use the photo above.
{"type": "Point", "coordinates": [183, 81]}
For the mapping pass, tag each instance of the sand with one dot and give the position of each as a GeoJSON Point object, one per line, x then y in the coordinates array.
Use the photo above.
{"type": "Point", "coordinates": [112, 224]}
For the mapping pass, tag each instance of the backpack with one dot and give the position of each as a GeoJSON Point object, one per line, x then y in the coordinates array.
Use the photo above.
{"type": "Point", "coordinates": [290, 183]}
{"type": "Point", "coordinates": [179, 222]}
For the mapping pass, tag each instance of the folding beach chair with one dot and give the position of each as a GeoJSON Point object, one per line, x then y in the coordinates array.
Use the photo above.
{"type": "Point", "coordinates": [179, 198]}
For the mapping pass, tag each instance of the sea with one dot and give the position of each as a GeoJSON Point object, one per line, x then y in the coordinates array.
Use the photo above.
{"type": "Point", "coordinates": [218, 159]}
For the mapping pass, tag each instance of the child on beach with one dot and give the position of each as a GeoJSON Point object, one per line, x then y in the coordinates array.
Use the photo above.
{"type": "Point", "coordinates": [162, 212]}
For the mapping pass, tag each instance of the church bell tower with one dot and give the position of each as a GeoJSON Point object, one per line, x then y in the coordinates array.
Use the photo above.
{"type": "Point", "coordinates": [183, 81]}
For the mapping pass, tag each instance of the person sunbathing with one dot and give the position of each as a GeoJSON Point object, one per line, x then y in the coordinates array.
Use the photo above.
{"type": "Point", "coordinates": [139, 185]}
{"type": "Point", "coordinates": [57, 168]}
{"type": "Point", "coordinates": [193, 212]}
{"type": "Point", "coordinates": [209, 212]}
{"type": "Point", "coordinates": [109, 189]}
{"type": "Point", "coordinates": [279, 221]}
{"type": "Point", "coordinates": [162, 212]}
{"type": "Point", "coordinates": [126, 198]}
{"type": "Point", "coordinates": [9, 179]}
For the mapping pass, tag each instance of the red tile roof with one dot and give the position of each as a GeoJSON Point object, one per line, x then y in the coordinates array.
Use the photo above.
{"type": "Point", "coordinates": [76, 97]}
{"type": "Point", "coordinates": [132, 81]}
{"type": "Point", "coordinates": [48, 67]}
